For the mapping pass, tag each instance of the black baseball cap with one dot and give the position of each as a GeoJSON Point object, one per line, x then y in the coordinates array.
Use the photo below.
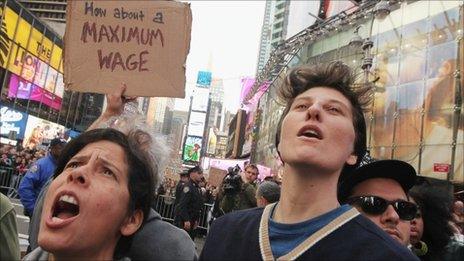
{"type": "Point", "coordinates": [57, 141]}
{"type": "Point", "coordinates": [195, 169]}
{"type": "Point", "coordinates": [400, 171]}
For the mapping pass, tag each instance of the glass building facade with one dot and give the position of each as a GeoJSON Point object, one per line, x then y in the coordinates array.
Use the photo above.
{"type": "Point", "coordinates": [416, 114]}
{"type": "Point", "coordinates": [31, 76]}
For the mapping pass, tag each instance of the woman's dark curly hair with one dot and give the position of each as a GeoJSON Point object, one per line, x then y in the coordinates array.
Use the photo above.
{"type": "Point", "coordinates": [141, 169]}
{"type": "Point", "coordinates": [434, 204]}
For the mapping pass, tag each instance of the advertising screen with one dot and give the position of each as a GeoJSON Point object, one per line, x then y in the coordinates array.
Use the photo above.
{"type": "Point", "coordinates": [200, 99]}
{"type": "Point", "coordinates": [196, 125]}
{"type": "Point", "coordinates": [12, 120]}
{"type": "Point", "coordinates": [192, 149]}
{"type": "Point", "coordinates": [30, 39]}
{"type": "Point", "coordinates": [23, 89]}
{"type": "Point", "coordinates": [51, 79]}
{"type": "Point", "coordinates": [204, 79]}
{"type": "Point", "coordinates": [41, 70]}
{"type": "Point", "coordinates": [40, 131]}
{"type": "Point", "coordinates": [59, 88]}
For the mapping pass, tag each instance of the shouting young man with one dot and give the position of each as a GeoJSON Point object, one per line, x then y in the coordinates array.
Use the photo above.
{"type": "Point", "coordinates": [322, 132]}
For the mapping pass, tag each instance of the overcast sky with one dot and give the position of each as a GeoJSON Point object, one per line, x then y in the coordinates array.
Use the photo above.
{"type": "Point", "coordinates": [227, 32]}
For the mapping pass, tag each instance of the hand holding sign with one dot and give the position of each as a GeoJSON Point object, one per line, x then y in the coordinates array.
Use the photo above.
{"type": "Point", "coordinates": [116, 101]}
{"type": "Point", "coordinates": [115, 106]}
{"type": "Point", "coordinates": [142, 43]}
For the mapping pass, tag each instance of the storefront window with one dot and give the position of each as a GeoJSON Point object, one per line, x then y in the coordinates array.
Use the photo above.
{"type": "Point", "coordinates": [408, 129]}
{"type": "Point", "coordinates": [432, 157]}
{"type": "Point", "coordinates": [410, 154]}
{"type": "Point", "coordinates": [414, 36]}
{"type": "Point", "coordinates": [410, 97]}
{"type": "Point", "coordinates": [441, 59]}
{"type": "Point", "coordinates": [381, 152]}
{"type": "Point", "coordinates": [382, 131]}
{"type": "Point", "coordinates": [445, 26]}
{"type": "Point", "coordinates": [439, 93]}
{"type": "Point", "coordinates": [386, 69]}
{"type": "Point", "coordinates": [412, 66]}
{"type": "Point", "coordinates": [438, 127]}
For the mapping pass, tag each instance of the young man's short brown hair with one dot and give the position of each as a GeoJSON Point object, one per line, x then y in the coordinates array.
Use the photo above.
{"type": "Point", "coordinates": [335, 75]}
{"type": "Point", "coordinates": [253, 166]}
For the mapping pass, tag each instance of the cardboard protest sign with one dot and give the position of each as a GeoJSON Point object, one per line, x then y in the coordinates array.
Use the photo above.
{"type": "Point", "coordinates": [216, 176]}
{"type": "Point", "coordinates": [141, 43]}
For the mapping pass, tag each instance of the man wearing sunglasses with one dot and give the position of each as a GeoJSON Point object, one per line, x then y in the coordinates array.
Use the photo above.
{"type": "Point", "coordinates": [379, 190]}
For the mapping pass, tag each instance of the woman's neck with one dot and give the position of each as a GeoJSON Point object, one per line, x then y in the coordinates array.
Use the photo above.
{"type": "Point", "coordinates": [306, 195]}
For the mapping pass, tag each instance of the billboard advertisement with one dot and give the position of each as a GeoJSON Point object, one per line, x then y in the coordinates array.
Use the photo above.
{"type": "Point", "coordinates": [204, 79]}
{"type": "Point", "coordinates": [196, 124]}
{"type": "Point", "coordinates": [192, 149]}
{"type": "Point", "coordinates": [251, 107]}
{"type": "Point", "coordinates": [12, 120]}
{"type": "Point", "coordinates": [38, 45]}
{"type": "Point", "coordinates": [23, 89]}
{"type": "Point", "coordinates": [247, 84]}
{"type": "Point", "coordinates": [40, 131]}
{"type": "Point", "coordinates": [200, 99]}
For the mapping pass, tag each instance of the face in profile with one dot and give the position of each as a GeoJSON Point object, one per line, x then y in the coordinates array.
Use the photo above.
{"type": "Point", "coordinates": [389, 220]}
{"type": "Point", "coordinates": [86, 209]}
{"type": "Point", "coordinates": [318, 130]}
{"type": "Point", "coordinates": [417, 227]}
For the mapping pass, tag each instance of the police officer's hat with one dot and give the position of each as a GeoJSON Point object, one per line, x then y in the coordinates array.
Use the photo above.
{"type": "Point", "coordinates": [57, 141]}
{"type": "Point", "coordinates": [195, 169]}
{"type": "Point", "coordinates": [184, 173]}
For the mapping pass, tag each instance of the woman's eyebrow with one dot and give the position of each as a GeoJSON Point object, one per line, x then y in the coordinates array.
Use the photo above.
{"type": "Point", "coordinates": [109, 162]}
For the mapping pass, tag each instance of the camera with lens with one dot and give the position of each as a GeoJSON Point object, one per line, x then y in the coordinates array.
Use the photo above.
{"type": "Point", "coordinates": [232, 181]}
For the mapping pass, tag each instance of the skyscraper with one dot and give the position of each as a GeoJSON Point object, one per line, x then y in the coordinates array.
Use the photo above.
{"type": "Point", "coordinates": [274, 29]}
{"type": "Point", "coordinates": [159, 114]}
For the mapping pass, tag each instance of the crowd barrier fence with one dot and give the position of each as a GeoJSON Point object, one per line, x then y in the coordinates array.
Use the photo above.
{"type": "Point", "coordinates": [9, 181]}
{"type": "Point", "coordinates": [164, 205]}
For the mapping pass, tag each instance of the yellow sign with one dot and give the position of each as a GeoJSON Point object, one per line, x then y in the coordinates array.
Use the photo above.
{"type": "Point", "coordinates": [22, 34]}
{"type": "Point", "coordinates": [10, 19]}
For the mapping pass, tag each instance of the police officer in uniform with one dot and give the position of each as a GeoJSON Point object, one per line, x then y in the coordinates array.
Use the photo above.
{"type": "Point", "coordinates": [184, 178]}
{"type": "Point", "coordinates": [190, 203]}
{"type": "Point", "coordinates": [38, 174]}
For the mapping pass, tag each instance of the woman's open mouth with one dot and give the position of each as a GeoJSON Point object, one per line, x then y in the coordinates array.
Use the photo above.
{"type": "Point", "coordinates": [65, 209]}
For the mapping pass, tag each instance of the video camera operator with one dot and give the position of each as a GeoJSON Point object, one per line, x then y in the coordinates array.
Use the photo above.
{"type": "Point", "coordinates": [239, 189]}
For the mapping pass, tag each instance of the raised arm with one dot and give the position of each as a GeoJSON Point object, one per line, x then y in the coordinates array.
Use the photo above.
{"type": "Point", "coordinates": [115, 106]}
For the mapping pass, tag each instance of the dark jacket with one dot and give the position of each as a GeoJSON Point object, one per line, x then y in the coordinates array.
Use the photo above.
{"type": "Point", "coordinates": [235, 236]}
{"type": "Point", "coordinates": [245, 199]}
{"type": "Point", "coordinates": [190, 203]}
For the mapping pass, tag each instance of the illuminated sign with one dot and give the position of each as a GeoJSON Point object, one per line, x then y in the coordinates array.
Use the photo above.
{"type": "Point", "coordinates": [204, 79]}
{"type": "Point", "coordinates": [192, 149]}
{"type": "Point", "coordinates": [12, 120]}
{"type": "Point", "coordinates": [200, 99]}
{"type": "Point", "coordinates": [196, 125]}
{"type": "Point", "coordinates": [23, 89]}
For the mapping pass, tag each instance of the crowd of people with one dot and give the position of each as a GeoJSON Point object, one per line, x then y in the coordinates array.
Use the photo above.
{"type": "Point", "coordinates": [334, 202]}
{"type": "Point", "coordinates": [19, 158]}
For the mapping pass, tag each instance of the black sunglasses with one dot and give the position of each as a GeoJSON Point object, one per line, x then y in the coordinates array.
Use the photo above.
{"type": "Point", "coordinates": [376, 205]}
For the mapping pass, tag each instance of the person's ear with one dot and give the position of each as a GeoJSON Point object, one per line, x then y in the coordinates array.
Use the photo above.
{"type": "Point", "coordinates": [132, 223]}
{"type": "Point", "coordinates": [352, 159]}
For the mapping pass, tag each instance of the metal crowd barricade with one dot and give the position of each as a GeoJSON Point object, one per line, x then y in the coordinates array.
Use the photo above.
{"type": "Point", "coordinates": [164, 205]}
{"type": "Point", "coordinates": [9, 181]}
